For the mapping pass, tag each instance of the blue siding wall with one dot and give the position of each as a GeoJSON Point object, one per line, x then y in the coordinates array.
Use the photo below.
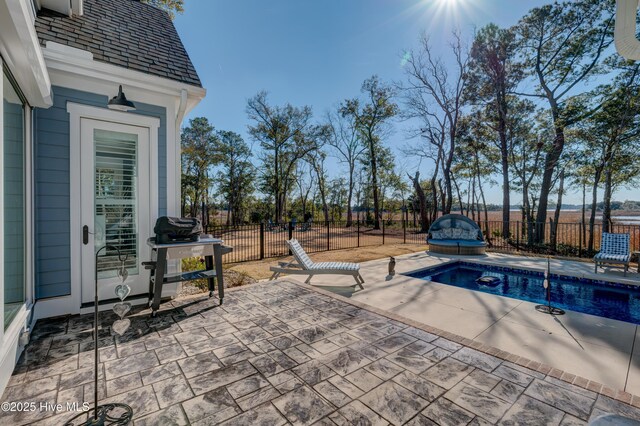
{"type": "Point", "coordinates": [52, 210]}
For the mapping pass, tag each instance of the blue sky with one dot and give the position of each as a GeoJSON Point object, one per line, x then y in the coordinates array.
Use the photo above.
{"type": "Point", "coordinates": [319, 52]}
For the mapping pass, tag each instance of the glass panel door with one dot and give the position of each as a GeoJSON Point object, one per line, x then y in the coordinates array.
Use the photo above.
{"type": "Point", "coordinates": [116, 215]}
{"type": "Point", "coordinates": [115, 205]}
{"type": "Point", "coordinates": [13, 203]}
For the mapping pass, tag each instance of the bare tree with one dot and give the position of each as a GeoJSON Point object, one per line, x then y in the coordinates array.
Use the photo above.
{"type": "Point", "coordinates": [305, 181]}
{"type": "Point", "coordinates": [345, 139]}
{"type": "Point", "coordinates": [371, 118]}
{"type": "Point", "coordinates": [432, 87]}
{"type": "Point", "coordinates": [316, 160]}
{"type": "Point", "coordinates": [422, 201]}
{"type": "Point", "coordinates": [431, 146]}
{"type": "Point", "coordinates": [286, 135]}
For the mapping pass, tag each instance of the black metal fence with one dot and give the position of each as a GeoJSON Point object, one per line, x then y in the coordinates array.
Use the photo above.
{"type": "Point", "coordinates": [262, 241]}
{"type": "Point", "coordinates": [566, 239]}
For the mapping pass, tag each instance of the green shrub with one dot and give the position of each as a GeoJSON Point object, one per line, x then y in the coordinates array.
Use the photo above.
{"type": "Point", "coordinates": [195, 264]}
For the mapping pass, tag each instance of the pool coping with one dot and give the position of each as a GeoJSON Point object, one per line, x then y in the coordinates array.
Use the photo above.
{"type": "Point", "coordinates": [526, 270]}
{"type": "Point", "coordinates": [485, 260]}
{"type": "Point", "coordinates": [547, 370]}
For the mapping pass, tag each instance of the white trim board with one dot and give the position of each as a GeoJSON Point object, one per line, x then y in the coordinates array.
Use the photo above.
{"type": "Point", "coordinates": [71, 304]}
{"type": "Point", "coordinates": [78, 71]}
{"type": "Point", "coordinates": [20, 48]}
{"type": "Point", "coordinates": [84, 69]}
{"type": "Point", "coordinates": [10, 349]}
{"type": "Point", "coordinates": [1, 209]}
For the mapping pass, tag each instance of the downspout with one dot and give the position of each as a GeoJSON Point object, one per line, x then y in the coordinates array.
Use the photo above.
{"type": "Point", "coordinates": [627, 44]}
{"type": "Point", "coordinates": [176, 265]}
{"type": "Point", "coordinates": [178, 147]}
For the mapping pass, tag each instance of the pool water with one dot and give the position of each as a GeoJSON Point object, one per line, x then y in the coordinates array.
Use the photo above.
{"type": "Point", "coordinates": [608, 300]}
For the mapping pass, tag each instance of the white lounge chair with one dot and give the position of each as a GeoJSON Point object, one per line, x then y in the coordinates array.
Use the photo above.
{"type": "Point", "coordinates": [614, 249]}
{"type": "Point", "coordinates": [303, 265]}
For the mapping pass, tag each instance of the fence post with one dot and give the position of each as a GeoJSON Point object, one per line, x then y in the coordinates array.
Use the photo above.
{"type": "Point", "coordinates": [358, 231]}
{"type": "Point", "coordinates": [261, 240]}
{"type": "Point", "coordinates": [382, 231]}
{"type": "Point", "coordinates": [404, 231]}
{"type": "Point", "coordinates": [328, 236]}
{"type": "Point", "coordinates": [580, 240]}
{"type": "Point", "coordinates": [518, 230]}
{"type": "Point", "coordinates": [290, 229]}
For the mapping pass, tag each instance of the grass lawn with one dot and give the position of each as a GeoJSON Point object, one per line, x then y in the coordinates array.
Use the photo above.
{"type": "Point", "coordinates": [260, 269]}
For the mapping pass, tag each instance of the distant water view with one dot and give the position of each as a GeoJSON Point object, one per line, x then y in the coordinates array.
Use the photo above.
{"type": "Point", "coordinates": [574, 215]}
{"type": "Point", "coordinates": [623, 220]}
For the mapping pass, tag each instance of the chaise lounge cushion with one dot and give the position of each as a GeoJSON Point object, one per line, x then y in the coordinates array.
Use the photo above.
{"type": "Point", "coordinates": [455, 243]}
{"type": "Point", "coordinates": [622, 258]}
{"type": "Point", "coordinates": [336, 266]}
{"type": "Point", "coordinates": [454, 234]}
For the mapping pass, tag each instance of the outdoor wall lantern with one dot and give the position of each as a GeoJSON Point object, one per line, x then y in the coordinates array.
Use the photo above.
{"type": "Point", "coordinates": [121, 103]}
{"type": "Point", "coordinates": [627, 43]}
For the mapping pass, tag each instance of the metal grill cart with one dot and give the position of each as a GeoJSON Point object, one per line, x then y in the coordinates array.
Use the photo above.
{"type": "Point", "coordinates": [210, 248]}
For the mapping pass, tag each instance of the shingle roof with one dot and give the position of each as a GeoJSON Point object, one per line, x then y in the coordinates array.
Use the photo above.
{"type": "Point", "coordinates": [125, 33]}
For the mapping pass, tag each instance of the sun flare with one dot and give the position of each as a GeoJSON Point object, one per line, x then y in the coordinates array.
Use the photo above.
{"type": "Point", "coordinates": [450, 4]}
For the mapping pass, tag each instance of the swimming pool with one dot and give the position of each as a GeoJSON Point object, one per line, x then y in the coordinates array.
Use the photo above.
{"type": "Point", "coordinates": [601, 298]}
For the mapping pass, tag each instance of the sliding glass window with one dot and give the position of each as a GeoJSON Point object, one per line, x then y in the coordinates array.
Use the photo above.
{"type": "Point", "coordinates": [13, 203]}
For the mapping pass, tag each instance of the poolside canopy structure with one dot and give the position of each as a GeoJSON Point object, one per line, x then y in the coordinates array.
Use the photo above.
{"type": "Point", "coordinates": [455, 234]}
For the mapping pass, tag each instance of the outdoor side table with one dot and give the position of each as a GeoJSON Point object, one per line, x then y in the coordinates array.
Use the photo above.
{"type": "Point", "coordinates": [211, 248]}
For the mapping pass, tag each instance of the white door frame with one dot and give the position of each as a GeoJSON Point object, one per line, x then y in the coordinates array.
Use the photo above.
{"type": "Point", "coordinates": [76, 113]}
{"type": "Point", "coordinates": [88, 198]}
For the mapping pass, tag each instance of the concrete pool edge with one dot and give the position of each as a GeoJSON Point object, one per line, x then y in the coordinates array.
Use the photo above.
{"type": "Point", "coordinates": [545, 369]}
{"type": "Point", "coordinates": [490, 261]}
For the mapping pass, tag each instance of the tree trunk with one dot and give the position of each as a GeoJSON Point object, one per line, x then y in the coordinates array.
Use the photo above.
{"type": "Point", "coordinates": [486, 211]}
{"type": "Point", "coordinates": [434, 195]}
{"type": "Point", "coordinates": [527, 212]}
{"type": "Point", "coordinates": [551, 161]}
{"type": "Point", "coordinates": [594, 207]}
{"type": "Point", "coordinates": [303, 201]}
{"type": "Point", "coordinates": [583, 225]}
{"type": "Point", "coordinates": [280, 207]}
{"type": "Point", "coordinates": [374, 185]}
{"type": "Point", "coordinates": [276, 185]}
{"type": "Point", "coordinates": [606, 208]}
{"type": "Point", "coordinates": [349, 197]}
{"type": "Point", "coordinates": [504, 153]}
{"type": "Point", "coordinates": [556, 216]}
{"type": "Point", "coordinates": [424, 218]}
{"type": "Point", "coordinates": [442, 195]}
{"type": "Point", "coordinates": [448, 201]}
{"type": "Point", "coordinates": [455, 182]}
{"type": "Point", "coordinates": [474, 204]}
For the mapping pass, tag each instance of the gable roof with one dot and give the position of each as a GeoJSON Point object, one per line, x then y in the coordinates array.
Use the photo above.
{"type": "Point", "coordinates": [126, 33]}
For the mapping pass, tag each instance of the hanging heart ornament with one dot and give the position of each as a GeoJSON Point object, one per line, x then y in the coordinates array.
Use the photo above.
{"type": "Point", "coordinates": [122, 291]}
{"type": "Point", "coordinates": [120, 326]}
{"type": "Point", "coordinates": [123, 273]}
{"type": "Point", "coordinates": [121, 309]}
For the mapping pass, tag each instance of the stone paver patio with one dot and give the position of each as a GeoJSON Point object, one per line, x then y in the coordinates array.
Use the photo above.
{"type": "Point", "coordinates": [600, 349]}
{"type": "Point", "coordinates": [284, 353]}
